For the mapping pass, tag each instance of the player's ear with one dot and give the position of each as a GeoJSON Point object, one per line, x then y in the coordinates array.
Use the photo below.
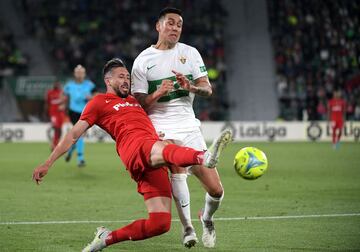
{"type": "Point", "coordinates": [158, 26]}
{"type": "Point", "coordinates": [107, 81]}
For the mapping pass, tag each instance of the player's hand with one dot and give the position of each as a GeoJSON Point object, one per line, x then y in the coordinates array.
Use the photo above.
{"type": "Point", "coordinates": [183, 81]}
{"type": "Point", "coordinates": [166, 87]}
{"type": "Point", "coordinates": [39, 173]}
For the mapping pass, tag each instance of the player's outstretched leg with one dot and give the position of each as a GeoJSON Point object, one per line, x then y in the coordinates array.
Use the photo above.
{"type": "Point", "coordinates": [183, 156]}
{"type": "Point", "coordinates": [156, 224]}
{"type": "Point", "coordinates": [212, 155]}
{"type": "Point", "coordinates": [99, 241]}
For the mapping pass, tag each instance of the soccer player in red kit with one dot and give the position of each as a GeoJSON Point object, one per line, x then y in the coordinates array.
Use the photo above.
{"type": "Point", "coordinates": [140, 149]}
{"type": "Point", "coordinates": [55, 107]}
{"type": "Point", "coordinates": [336, 116]}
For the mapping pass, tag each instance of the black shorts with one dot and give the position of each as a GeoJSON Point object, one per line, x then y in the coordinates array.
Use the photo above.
{"type": "Point", "coordinates": [74, 116]}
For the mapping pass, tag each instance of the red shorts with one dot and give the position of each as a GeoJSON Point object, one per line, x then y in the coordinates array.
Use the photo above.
{"type": "Point", "coordinates": [152, 182]}
{"type": "Point", "coordinates": [337, 124]}
{"type": "Point", "coordinates": [57, 119]}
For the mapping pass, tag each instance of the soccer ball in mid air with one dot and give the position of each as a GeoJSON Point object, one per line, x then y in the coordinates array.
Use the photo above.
{"type": "Point", "coordinates": [250, 163]}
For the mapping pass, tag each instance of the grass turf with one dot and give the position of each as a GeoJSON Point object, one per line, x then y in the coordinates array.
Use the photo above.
{"type": "Point", "coordinates": [303, 179]}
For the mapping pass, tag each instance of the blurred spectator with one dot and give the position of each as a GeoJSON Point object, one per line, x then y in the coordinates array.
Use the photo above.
{"type": "Point", "coordinates": [316, 45]}
{"type": "Point", "coordinates": [12, 60]}
{"type": "Point", "coordinates": [92, 32]}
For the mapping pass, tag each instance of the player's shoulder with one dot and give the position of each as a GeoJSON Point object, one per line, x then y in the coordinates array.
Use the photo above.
{"type": "Point", "coordinates": [99, 97]}
{"type": "Point", "coordinates": [144, 54]}
{"type": "Point", "coordinates": [185, 47]}
{"type": "Point", "coordinates": [89, 82]}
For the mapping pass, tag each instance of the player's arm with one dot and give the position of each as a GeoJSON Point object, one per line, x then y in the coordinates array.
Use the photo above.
{"type": "Point", "coordinates": [70, 138]}
{"type": "Point", "coordinates": [201, 86]}
{"type": "Point", "coordinates": [146, 100]}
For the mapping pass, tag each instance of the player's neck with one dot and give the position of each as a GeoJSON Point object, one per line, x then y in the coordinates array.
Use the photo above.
{"type": "Point", "coordinates": [164, 45]}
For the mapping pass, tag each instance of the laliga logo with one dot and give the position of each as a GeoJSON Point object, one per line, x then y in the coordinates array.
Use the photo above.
{"type": "Point", "coordinates": [315, 131]}
{"type": "Point", "coordinates": [258, 130]}
{"type": "Point", "coordinates": [9, 134]}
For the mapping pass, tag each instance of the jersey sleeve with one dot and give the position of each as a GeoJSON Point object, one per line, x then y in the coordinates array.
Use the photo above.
{"type": "Point", "coordinates": [90, 113]}
{"type": "Point", "coordinates": [198, 66]}
{"type": "Point", "coordinates": [139, 82]}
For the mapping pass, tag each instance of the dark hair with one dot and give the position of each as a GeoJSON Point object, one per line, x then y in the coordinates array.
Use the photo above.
{"type": "Point", "coordinates": [113, 63]}
{"type": "Point", "coordinates": [168, 10]}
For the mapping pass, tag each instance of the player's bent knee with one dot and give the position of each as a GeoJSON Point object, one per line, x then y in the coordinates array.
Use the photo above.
{"type": "Point", "coordinates": [160, 223]}
{"type": "Point", "coordinates": [216, 192]}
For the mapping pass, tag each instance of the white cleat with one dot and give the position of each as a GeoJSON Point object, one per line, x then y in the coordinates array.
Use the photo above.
{"type": "Point", "coordinates": [209, 235]}
{"type": "Point", "coordinates": [99, 241]}
{"type": "Point", "coordinates": [211, 156]}
{"type": "Point", "coordinates": [189, 237]}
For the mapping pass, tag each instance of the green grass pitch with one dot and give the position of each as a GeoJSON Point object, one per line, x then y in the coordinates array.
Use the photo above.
{"type": "Point", "coordinates": [303, 179]}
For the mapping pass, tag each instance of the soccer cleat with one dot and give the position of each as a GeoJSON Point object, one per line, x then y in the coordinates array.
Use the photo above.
{"type": "Point", "coordinates": [211, 156]}
{"type": "Point", "coordinates": [189, 237]}
{"type": "Point", "coordinates": [99, 241]}
{"type": "Point", "coordinates": [68, 157]}
{"type": "Point", "coordinates": [81, 163]}
{"type": "Point", "coordinates": [209, 235]}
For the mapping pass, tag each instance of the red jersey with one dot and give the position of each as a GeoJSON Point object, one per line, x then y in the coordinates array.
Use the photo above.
{"type": "Point", "coordinates": [337, 109]}
{"type": "Point", "coordinates": [54, 103]}
{"type": "Point", "coordinates": [124, 120]}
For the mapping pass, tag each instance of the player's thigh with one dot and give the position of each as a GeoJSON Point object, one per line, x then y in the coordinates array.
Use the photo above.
{"type": "Point", "coordinates": [210, 180]}
{"type": "Point", "coordinates": [158, 205]}
{"type": "Point", "coordinates": [155, 187]}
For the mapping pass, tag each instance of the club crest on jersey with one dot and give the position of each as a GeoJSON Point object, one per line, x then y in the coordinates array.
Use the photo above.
{"type": "Point", "coordinates": [183, 59]}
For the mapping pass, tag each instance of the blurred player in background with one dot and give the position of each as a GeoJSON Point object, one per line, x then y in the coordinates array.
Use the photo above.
{"type": "Point", "coordinates": [140, 149]}
{"type": "Point", "coordinates": [79, 91]}
{"type": "Point", "coordinates": [55, 108]}
{"type": "Point", "coordinates": [167, 96]}
{"type": "Point", "coordinates": [336, 117]}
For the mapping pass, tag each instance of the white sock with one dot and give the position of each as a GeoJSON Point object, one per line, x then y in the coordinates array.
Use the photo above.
{"type": "Point", "coordinates": [211, 205]}
{"type": "Point", "coordinates": [181, 195]}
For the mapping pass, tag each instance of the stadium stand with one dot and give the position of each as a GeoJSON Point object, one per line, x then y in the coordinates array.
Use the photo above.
{"type": "Point", "coordinates": [12, 60]}
{"type": "Point", "coordinates": [91, 32]}
{"type": "Point", "coordinates": [316, 50]}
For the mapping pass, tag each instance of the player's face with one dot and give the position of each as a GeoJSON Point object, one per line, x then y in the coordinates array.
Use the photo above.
{"type": "Point", "coordinates": [119, 81]}
{"type": "Point", "coordinates": [79, 74]}
{"type": "Point", "coordinates": [170, 27]}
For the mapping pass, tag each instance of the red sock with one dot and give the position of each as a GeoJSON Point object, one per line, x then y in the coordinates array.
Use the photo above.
{"type": "Point", "coordinates": [339, 135]}
{"type": "Point", "coordinates": [156, 224]}
{"type": "Point", "coordinates": [57, 134]}
{"type": "Point", "coordinates": [182, 156]}
{"type": "Point", "coordinates": [334, 135]}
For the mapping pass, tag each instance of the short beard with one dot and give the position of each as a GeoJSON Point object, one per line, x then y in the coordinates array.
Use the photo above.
{"type": "Point", "coordinates": [118, 93]}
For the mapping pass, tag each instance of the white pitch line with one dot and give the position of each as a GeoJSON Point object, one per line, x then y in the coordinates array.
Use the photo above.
{"type": "Point", "coordinates": [177, 220]}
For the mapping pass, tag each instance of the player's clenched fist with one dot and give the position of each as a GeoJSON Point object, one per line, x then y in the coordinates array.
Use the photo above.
{"type": "Point", "coordinates": [39, 173]}
{"type": "Point", "coordinates": [183, 81]}
{"type": "Point", "coordinates": [166, 87]}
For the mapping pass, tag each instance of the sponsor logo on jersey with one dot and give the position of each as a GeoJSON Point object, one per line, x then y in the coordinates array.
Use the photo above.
{"type": "Point", "coordinates": [149, 67]}
{"type": "Point", "coordinates": [126, 104]}
{"type": "Point", "coordinates": [202, 69]}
